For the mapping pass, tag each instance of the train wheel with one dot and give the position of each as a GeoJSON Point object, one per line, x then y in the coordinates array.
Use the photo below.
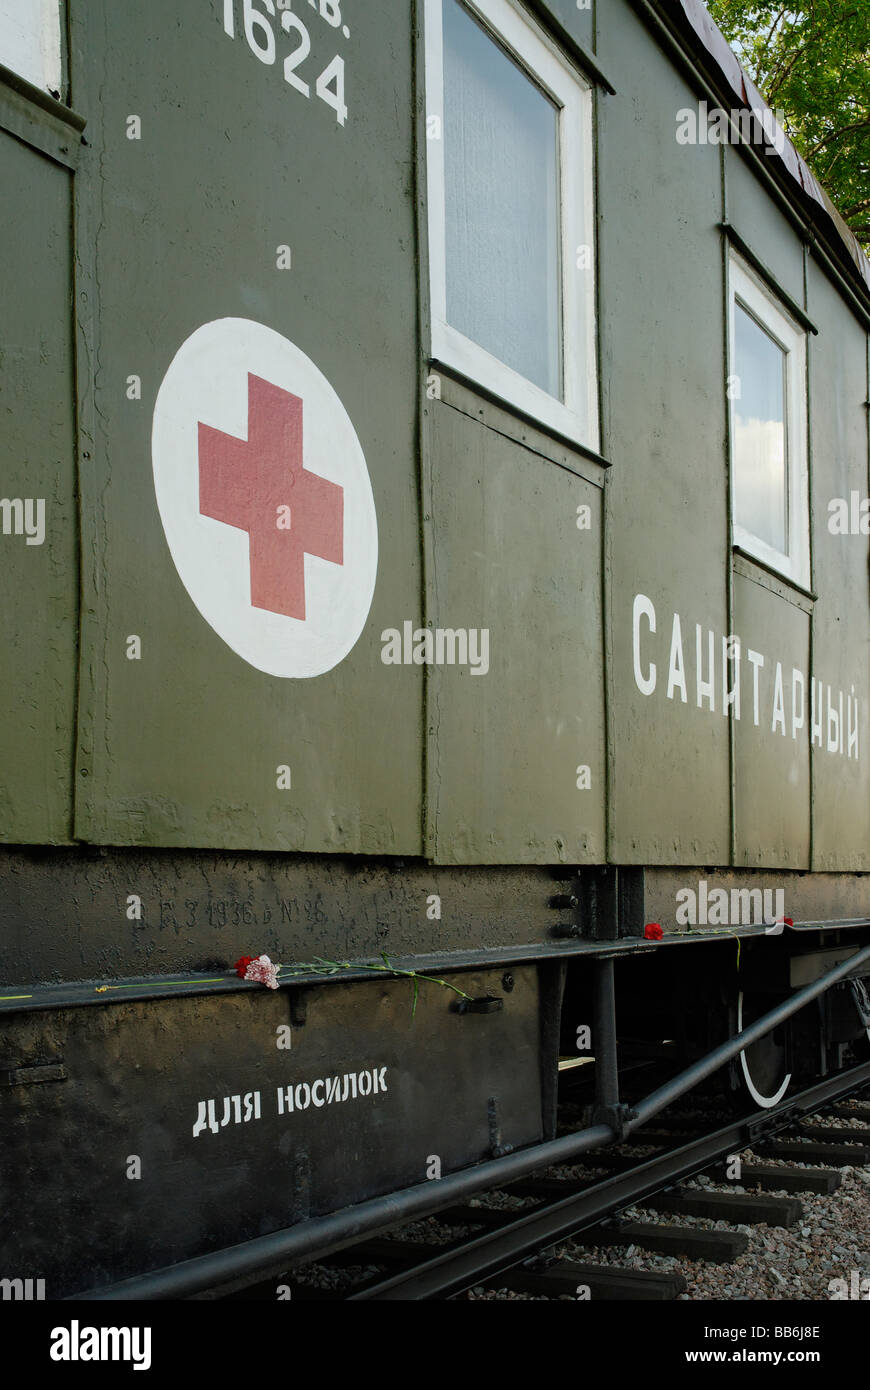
{"type": "Point", "coordinates": [763, 1065]}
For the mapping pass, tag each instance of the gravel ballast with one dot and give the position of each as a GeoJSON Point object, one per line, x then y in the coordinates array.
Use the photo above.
{"type": "Point", "coordinates": [831, 1242]}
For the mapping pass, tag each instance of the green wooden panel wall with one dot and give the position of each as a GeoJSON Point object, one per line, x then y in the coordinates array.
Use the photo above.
{"type": "Point", "coordinates": [38, 531]}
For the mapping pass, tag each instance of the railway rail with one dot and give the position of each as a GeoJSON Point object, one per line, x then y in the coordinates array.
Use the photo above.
{"type": "Point", "coordinates": [447, 1272]}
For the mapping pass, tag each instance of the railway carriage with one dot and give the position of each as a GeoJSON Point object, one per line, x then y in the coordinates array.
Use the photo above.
{"type": "Point", "coordinates": [435, 540]}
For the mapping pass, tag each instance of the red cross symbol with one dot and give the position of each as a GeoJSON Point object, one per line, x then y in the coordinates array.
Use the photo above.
{"type": "Point", "coordinates": [257, 484]}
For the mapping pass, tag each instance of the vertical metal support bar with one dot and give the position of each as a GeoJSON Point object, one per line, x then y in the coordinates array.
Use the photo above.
{"type": "Point", "coordinates": [604, 1041]}
{"type": "Point", "coordinates": [551, 991]}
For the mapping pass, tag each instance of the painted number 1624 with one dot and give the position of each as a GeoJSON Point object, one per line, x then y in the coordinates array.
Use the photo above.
{"type": "Point", "coordinates": [260, 34]}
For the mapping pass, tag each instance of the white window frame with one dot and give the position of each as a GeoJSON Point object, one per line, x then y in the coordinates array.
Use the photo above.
{"type": "Point", "coordinates": [576, 414]}
{"type": "Point", "coordinates": [30, 41]}
{"type": "Point", "coordinates": [747, 288]}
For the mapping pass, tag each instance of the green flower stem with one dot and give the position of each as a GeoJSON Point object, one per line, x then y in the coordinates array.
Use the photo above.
{"type": "Point", "coordinates": [319, 966]}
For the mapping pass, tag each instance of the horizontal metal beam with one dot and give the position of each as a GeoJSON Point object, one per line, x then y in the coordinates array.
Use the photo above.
{"type": "Point", "coordinates": [31, 998]}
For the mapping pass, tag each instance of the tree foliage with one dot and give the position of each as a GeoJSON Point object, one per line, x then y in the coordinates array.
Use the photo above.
{"type": "Point", "coordinates": [811, 61]}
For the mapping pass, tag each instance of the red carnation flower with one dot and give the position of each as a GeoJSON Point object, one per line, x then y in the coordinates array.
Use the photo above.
{"type": "Point", "coordinates": [653, 932]}
{"type": "Point", "coordinates": [242, 965]}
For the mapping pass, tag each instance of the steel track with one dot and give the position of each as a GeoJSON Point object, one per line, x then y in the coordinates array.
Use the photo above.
{"type": "Point", "coordinates": [490, 1254]}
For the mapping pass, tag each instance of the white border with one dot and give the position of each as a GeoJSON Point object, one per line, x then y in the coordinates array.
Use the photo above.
{"type": "Point", "coordinates": [207, 382]}
{"type": "Point", "coordinates": [747, 287]}
{"type": "Point", "coordinates": [575, 416]}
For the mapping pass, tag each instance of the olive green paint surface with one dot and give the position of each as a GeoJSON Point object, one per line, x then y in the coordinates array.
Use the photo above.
{"type": "Point", "coordinates": [181, 227]}
{"type": "Point", "coordinates": [761, 223]}
{"type": "Point", "coordinates": [841, 576]}
{"type": "Point", "coordinates": [505, 747]}
{"type": "Point", "coordinates": [664, 372]}
{"type": "Point", "coordinates": [772, 767]}
{"type": "Point", "coordinates": [664, 433]}
{"type": "Point", "coordinates": [177, 229]}
{"type": "Point", "coordinates": [578, 19]}
{"type": "Point", "coordinates": [39, 607]}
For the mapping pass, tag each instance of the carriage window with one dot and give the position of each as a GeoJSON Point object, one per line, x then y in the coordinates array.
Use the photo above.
{"type": "Point", "coordinates": [501, 149]}
{"type": "Point", "coordinates": [760, 473]}
{"type": "Point", "coordinates": [510, 203]}
{"type": "Point", "coordinates": [30, 41]}
{"type": "Point", "coordinates": [767, 391]}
